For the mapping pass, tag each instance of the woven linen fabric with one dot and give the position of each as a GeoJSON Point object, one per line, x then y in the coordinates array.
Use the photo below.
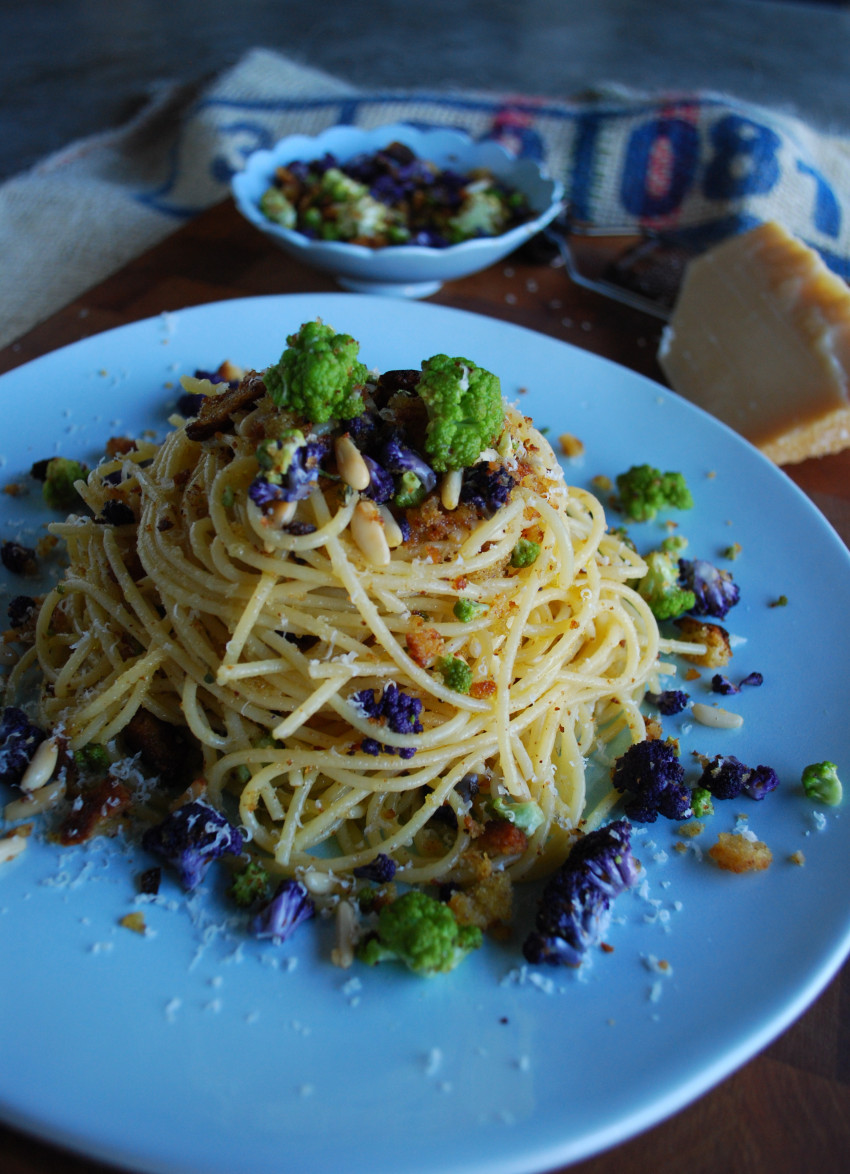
{"type": "Point", "coordinates": [700, 166]}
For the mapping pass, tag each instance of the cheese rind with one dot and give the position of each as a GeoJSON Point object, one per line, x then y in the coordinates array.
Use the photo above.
{"type": "Point", "coordinates": [760, 337]}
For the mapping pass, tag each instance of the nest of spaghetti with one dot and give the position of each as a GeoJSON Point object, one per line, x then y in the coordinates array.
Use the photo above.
{"type": "Point", "coordinates": [365, 649]}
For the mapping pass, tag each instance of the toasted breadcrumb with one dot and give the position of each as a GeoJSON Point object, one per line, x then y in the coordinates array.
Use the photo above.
{"type": "Point", "coordinates": [425, 645]}
{"type": "Point", "coordinates": [13, 843]}
{"type": "Point", "coordinates": [797, 857]}
{"type": "Point", "coordinates": [693, 828]}
{"type": "Point", "coordinates": [735, 853]}
{"type": "Point", "coordinates": [487, 904]}
{"type": "Point", "coordinates": [134, 921]}
{"type": "Point", "coordinates": [718, 649]}
{"type": "Point", "coordinates": [571, 446]}
{"type": "Point", "coordinates": [654, 729]}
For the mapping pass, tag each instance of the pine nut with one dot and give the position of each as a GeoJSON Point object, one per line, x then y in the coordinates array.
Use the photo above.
{"type": "Point", "coordinates": [347, 934]}
{"type": "Point", "coordinates": [320, 884]}
{"type": "Point", "coordinates": [352, 468]}
{"type": "Point", "coordinates": [35, 802]}
{"type": "Point", "coordinates": [713, 715]}
{"type": "Point", "coordinates": [450, 489]}
{"type": "Point", "coordinates": [282, 512]}
{"type": "Point", "coordinates": [392, 530]}
{"type": "Point", "coordinates": [367, 530]}
{"type": "Point", "coordinates": [41, 766]}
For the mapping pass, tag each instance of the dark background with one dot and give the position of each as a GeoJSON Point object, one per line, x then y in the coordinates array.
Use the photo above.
{"type": "Point", "coordinates": [71, 68]}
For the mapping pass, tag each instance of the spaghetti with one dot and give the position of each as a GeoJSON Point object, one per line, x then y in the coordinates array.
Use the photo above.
{"type": "Point", "coordinates": [313, 651]}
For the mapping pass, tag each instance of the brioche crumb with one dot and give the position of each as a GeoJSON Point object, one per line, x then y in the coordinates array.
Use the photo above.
{"type": "Point", "coordinates": [735, 853]}
{"type": "Point", "coordinates": [134, 921]}
{"type": "Point", "coordinates": [797, 858]}
{"type": "Point", "coordinates": [654, 729]}
{"type": "Point", "coordinates": [571, 446]}
{"type": "Point", "coordinates": [487, 904]}
{"type": "Point", "coordinates": [718, 649]}
{"type": "Point", "coordinates": [693, 828]}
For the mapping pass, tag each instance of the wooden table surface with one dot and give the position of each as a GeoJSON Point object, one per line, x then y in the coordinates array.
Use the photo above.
{"type": "Point", "coordinates": [788, 1110]}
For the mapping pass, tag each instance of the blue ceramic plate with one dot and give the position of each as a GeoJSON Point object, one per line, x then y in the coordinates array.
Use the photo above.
{"type": "Point", "coordinates": [193, 1049]}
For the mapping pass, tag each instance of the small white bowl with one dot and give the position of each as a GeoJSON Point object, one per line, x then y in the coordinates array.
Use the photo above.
{"type": "Point", "coordinates": [412, 271]}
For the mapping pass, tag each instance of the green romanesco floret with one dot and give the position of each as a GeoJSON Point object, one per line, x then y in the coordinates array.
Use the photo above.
{"type": "Point", "coordinates": [338, 186]}
{"type": "Point", "coordinates": [482, 213]}
{"type": "Point", "coordinates": [465, 411]}
{"type": "Point", "coordinates": [411, 491]}
{"type": "Point", "coordinates": [526, 815]}
{"type": "Point", "coordinates": [275, 206]}
{"type": "Point", "coordinates": [250, 885]}
{"type": "Point", "coordinates": [456, 673]}
{"type": "Point", "coordinates": [319, 375]}
{"type": "Point", "coordinates": [467, 610]}
{"type": "Point", "coordinates": [58, 488]}
{"type": "Point", "coordinates": [92, 757]}
{"type": "Point", "coordinates": [525, 553]}
{"type": "Point", "coordinates": [821, 783]}
{"type": "Point", "coordinates": [701, 802]}
{"type": "Point", "coordinates": [644, 490]}
{"type": "Point", "coordinates": [660, 586]}
{"type": "Point", "coordinates": [356, 213]}
{"type": "Point", "coordinates": [422, 933]}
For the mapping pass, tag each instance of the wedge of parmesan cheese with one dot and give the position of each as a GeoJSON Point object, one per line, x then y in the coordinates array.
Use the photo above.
{"type": "Point", "coordinates": [760, 338]}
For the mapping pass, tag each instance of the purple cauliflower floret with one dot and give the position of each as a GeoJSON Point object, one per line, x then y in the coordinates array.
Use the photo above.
{"type": "Point", "coordinates": [381, 870]}
{"type": "Point", "coordinates": [607, 855]}
{"type": "Point", "coordinates": [381, 485]}
{"type": "Point", "coordinates": [488, 490]}
{"type": "Point", "coordinates": [289, 907]}
{"type": "Point", "coordinates": [399, 709]}
{"type": "Point", "coordinates": [469, 786]}
{"type": "Point", "coordinates": [19, 740]}
{"type": "Point", "coordinates": [669, 701]}
{"type": "Point", "coordinates": [190, 838]}
{"type": "Point", "coordinates": [20, 610]}
{"type": "Point", "coordinates": [115, 513]}
{"type": "Point", "coordinates": [727, 778]}
{"type": "Point", "coordinates": [724, 776]}
{"type": "Point", "coordinates": [653, 775]}
{"type": "Point", "coordinates": [568, 923]}
{"type": "Point", "coordinates": [721, 684]}
{"type": "Point", "coordinates": [366, 430]}
{"type": "Point", "coordinates": [714, 589]}
{"type": "Point", "coordinates": [190, 403]}
{"type": "Point", "coordinates": [575, 907]}
{"type": "Point", "coordinates": [297, 483]}
{"type": "Point", "coordinates": [397, 457]}
{"type": "Point", "coordinates": [262, 492]}
{"type": "Point", "coordinates": [760, 781]}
